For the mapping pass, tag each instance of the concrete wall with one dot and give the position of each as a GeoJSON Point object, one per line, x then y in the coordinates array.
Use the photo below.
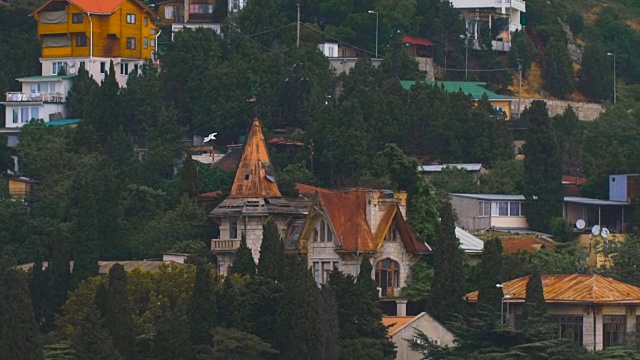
{"type": "Point", "coordinates": [519, 222]}
{"type": "Point", "coordinates": [430, 327]}
{"type": "Point", "coordinates": [467, 211]}
{"type": "Point", "coordinates": [344, 65]}
{"type": "Point", "coordinates": [585, 111]}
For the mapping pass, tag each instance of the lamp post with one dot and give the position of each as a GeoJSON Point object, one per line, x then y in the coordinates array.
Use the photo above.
{"type": "Point", "coordinates": [614, 76]}
{"type": "Point", "coordinates": [506, 296]}
{"type": "Point", "coordinates": [375, 12]}
{"type": "Point", "coordinates": [466, 53]}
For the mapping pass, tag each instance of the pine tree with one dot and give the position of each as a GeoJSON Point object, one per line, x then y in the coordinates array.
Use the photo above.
{"type": "Point", "coordinates": [118, 320]}
{"type": "Point", "coordinates": [543, 168]}
{"type": "Point", "coordinates": [595, 73]}
{"type": "Point", "coordinates": [19, 336]}
{"type": "Point", "coordinates": [202, 309]}
{"type": "Point", "coordinates": [243, 263]}
{"type": "Point", "coordinates": [90, 339]}
{"type": "Point", "coordinates": [490, 296]}
{"type": "Point", "coordinates": [626, 262]}
{"type": "Point", "coordinates": [271, 263]}
{"type": "Point", "coordinates": [446, 297]}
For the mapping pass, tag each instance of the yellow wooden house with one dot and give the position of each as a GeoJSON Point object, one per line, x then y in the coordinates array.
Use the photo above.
{"type": "Point", "coordinates": [92, 33]}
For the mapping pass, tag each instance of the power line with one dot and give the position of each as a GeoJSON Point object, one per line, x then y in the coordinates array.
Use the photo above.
{"type": "Point", "coordinates": [270, 30]}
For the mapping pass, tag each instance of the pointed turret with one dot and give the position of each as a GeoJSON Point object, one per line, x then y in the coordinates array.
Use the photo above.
{"type": "Point", "coordinates": [255, 177]}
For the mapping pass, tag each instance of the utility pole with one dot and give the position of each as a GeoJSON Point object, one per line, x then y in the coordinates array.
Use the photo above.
{"type": "Point", "coordinates": [312, 147]}
{"type": "Point", "coordinates": [614, 76]}
{"type": "Point", "coordinates": [298, 28]}
{"type": "Point", "coordinates": [519, 86]}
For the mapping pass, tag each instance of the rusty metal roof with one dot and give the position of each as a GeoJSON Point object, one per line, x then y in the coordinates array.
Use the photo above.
{"type": "Point", "coordinates": [255, 177]}
{"type": "Point", "coordinates": [397, 323]}
{"type": "Point", "coordinates": [573, 288]}
{"type": "Point", "coordinates": [529, 244]}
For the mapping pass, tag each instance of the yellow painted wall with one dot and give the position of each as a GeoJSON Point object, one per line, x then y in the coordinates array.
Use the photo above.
{"type": "Point", "coordinates": [110, 33]}
{"type": "Point", "coordinates": [505, 104]}
{"type": "Point", "coordinates": [593, 246]}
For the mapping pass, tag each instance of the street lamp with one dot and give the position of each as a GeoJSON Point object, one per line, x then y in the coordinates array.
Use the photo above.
{"type": "Point", "coordinates": [614, 76]}
{"type": "Point", "coordinates": [375, 12]}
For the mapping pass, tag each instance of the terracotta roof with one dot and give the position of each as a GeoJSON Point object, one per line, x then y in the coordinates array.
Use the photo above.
{"type": "Point", "coordinates": [573, 180]}
{"type": "Point", "coordinates": [529, 244]}
{"type": "Point", "coordinates": [210, 195]}
{"type": "Point", "coordinates": [414, 40]}
{"type": "Point", "coordinates": [574, 288]}
{"type": "Point", "coordinates": [255, 177]}
{"type": "Point", "coordinates": [98, 6]}
{"type": "Point", "coordinates": [304, 189]}
{"type": "Point", "coordinates": [285, 141]}
{"type": "Point", "coordinates": [396, 323]}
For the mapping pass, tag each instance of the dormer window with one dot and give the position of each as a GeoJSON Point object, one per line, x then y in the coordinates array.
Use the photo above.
{"type": "Point", "coordinates": [392, 234]}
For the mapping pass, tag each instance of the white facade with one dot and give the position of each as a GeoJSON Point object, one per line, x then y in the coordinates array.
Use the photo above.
{"type": "Point", "coordinates": [237, 5]}
{"type": "Point", "coordinates": [477, 12]}
{"type": "Point", "coordinates": [329, 50]}
{"type": "Point", "coordinates": [39, 98]}
{"type": "Point", "coordinates": [97, 67]}
{"type": "Point", "coordinates": [177, 27]}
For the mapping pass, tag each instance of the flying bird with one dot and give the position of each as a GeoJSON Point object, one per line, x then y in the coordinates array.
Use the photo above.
{"type": "Point", "coordinates": [211, 136]}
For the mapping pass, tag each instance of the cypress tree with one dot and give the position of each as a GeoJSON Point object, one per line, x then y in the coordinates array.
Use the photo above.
{"type": "Point", "coordinates": [19, 336]}
{"type": "Point", "coordinates": [172, 338]}
{"type": "Point", "coordinates": [346, 296]}
{"type": "Point", "coordinates": [446, 297]}
{"type": "Point", "coordinates": [59, 279]}
{"type": "Point", "coordinates": [271, 263]}
{"type": "Point", "coordinates": [118, 320]}
{"type": "Point", "coordinates": [543, 168]}
{"type": "Point", "coordinates": [202, 309]}
{"type": "Point", "coordinates": [243, 263]}
{"type": "Point", "coordinates": [331, 323]}
{"type": "Point", "coordinates": [595, 73]}
{"type": "Point", "coordinates": [188, 181]}
{"type": "Point", "coordinates": [83, 82]}
{"type": "Point", "coordinates": [535, 304]}
{"type": "Point", "coordinates": [558, 69]}
{"type": "Point", "coordinates": [490, 296]}
{"type": "Point", "coordinates": [38, 288]}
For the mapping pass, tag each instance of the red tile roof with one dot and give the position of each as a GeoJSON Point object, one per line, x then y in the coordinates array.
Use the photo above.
{"type": "Point", "coordinates": [575, 180]}
{"type": "Point", "coordinates": [98, 6]}
{"type": "Point", "coordinates": [414, 40]}
{"type": "Point", "coordinates": [529, 244]}
{"type": "Point", "coordinates": [285, 141]}
{"type": "Point", "coordinates": [304, 189]}
{"type": "Point", "coordinates": [574, 288]}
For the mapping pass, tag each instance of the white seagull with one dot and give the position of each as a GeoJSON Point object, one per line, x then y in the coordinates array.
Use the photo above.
{"type": "Point", "coordinates": [211, 136]}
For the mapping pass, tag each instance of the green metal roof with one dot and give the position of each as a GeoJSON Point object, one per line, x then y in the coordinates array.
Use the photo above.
{"type": "Point", "coordinates": [45, 78]}
{"type": "Point", "coordinates": [62, 122]}
{"type": "Point", "coordinates": [475, 89]}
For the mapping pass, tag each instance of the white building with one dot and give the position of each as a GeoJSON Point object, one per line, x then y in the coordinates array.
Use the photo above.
{"type": "Point", "coordinates": [487, 14]}
{"type": "Point", "coordinates": [41, 97]}
{"type": "Point", "coordinates": [97, 67]}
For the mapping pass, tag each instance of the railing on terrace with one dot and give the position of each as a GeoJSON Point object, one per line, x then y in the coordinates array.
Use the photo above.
{"type": "Point", "coordinates": [225, 244]}
{"type": "Point", "coordinates": [31, 97]}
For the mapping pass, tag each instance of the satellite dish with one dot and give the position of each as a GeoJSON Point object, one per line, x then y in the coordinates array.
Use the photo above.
{"type": "Point", "coordinates": [605, 233]}
{"type": "Point", "coordinates": [595, 230]}
{"type": "Point", "coordinates": [72, 71]}
{"type": "Point", "coordinates": [71, 62]}
{"type": "Point", "coordinates": [580, 224]}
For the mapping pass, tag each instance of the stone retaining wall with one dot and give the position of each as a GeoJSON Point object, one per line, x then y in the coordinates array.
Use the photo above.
{"type": "Point", "coordinates": [585, 111]}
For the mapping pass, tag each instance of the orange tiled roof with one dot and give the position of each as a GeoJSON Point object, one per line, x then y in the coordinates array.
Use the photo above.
{"type": "Point", "coordinates": [97, 6]}
{"type": "Point", "coordinates": [574, 288]}
{"type": "Point", "coordinates": [530, 244]}
{"type": "Point", "coordinates": [304, 189]}
{"type": "Point", "coordinates": [255, 177]}
{"type": "Point", "coordinates": [395, 323]}
{"type": "Point", "coordinates": [346, 212]}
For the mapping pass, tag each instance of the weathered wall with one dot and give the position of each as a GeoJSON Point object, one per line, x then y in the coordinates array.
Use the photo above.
{"type": "Point", "coordinates": [585, 111]}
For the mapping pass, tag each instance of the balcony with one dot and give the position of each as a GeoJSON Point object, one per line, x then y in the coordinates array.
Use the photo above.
{"type": "Point", "coordinates": [225, 245]}
{"type": "Point", "coordinates": [34, 97]}
{"type": "Point", "coordinates": [515, 4]}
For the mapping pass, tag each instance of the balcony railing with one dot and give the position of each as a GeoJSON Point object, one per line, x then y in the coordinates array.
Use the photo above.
{"type": "Point", "coordinates": [516, 4]}
{"type": "Point", "coordinates": [225, 244]}
{"type": "Point", "coordinates": [34, 97]}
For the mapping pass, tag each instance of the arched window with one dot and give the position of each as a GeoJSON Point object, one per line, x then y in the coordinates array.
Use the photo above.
{"type": "Point", "coordinates": [388, 276]}
{"type": "Point", "coordinates": [329, 233]}
{"type": "Point", "coordinates": [323, 230]}
{"type": "Point", "coordinates": [392, 234]}
{"type": "Point", "coordinates": [315, 235]}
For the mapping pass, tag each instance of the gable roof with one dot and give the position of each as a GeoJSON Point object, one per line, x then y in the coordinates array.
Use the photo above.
{"type": "Point", "coordinates": [101, 7]}
{"type": "Point", "coordinates": [468, 242]}
{"type": "Point", "coordinates": [255, 177]}
{"type": "Point", "coordinates": [414, 40]}
{"type": "Point", "coordinates": [475, 89]}
{"type": "Point", "coordinates": [397, 323]}
{"type": "Point", "coordinates": [573, 288]}
{"type": "Point", "coordinates": [346, 212]}
{"type": "Point", "coordinates": [304, 189]}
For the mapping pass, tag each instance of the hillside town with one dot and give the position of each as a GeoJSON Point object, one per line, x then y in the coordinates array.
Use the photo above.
{"type": "Point", "coordinates": [266, 179]}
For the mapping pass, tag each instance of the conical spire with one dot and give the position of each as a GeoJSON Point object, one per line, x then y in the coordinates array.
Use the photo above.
{"type": "Point", "coordinates": [255, 177]}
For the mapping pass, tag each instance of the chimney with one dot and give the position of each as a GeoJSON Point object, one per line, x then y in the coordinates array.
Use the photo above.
{"type": "Point", "coordinates": [401, 197]}
{"type": "Point", "coordinates": [372, 205]}
{"type": "Point", "coordinates": [401, 307]}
